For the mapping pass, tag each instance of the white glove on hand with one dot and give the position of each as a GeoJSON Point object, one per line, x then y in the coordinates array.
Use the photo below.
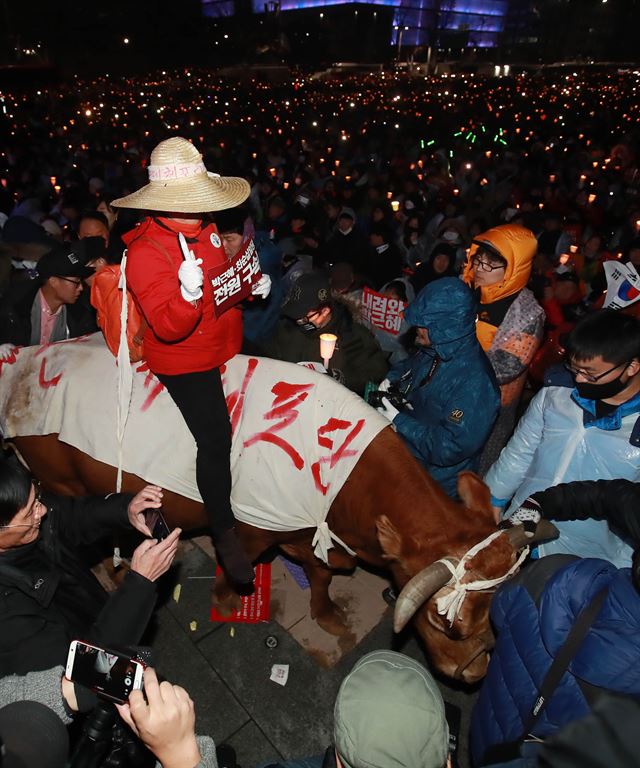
{"type": "Point", "coordinates": [262, 288]}
{"type": "Point", "coordinates": [388, 410]}
{"type": "Point", "coordinates": [384, 385]}
{"type": "Point", "coordinates": [7, 351]}
{"type": "Point", "coordinates": [191, 279]}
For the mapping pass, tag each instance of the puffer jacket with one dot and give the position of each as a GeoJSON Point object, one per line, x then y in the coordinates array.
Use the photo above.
{"type": "Point", "coordinates": [559, 440]}
{"type": "Point", "coordinates": [529, 635]}
{"type": "Point", "coordinates": [451, 384]}
{"type": "Point", "coordinates": [181, 338]}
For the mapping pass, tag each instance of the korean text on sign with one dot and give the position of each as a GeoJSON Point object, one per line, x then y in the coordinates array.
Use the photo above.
{"type": "Point", "coordinates": [382, 311]}
{"type": "Point", "coordinates": [231, 282]}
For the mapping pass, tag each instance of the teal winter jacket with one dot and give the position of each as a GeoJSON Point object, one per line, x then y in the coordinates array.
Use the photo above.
{"type": "Point", "coordinates": [450, 385]}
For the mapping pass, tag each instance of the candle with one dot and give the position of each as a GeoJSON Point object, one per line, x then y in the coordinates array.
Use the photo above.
{"type": "Point", "coordinates": [327, 347]}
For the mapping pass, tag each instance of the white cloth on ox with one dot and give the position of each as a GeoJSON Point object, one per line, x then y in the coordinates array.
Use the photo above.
{"type": "Point", "coordinates": [297, 434]}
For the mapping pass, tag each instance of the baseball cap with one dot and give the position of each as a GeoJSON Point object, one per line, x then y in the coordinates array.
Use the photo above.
{"type": "Point", "coordinates": [66, 260]}
{"type": "Point", "coordinates": [389, 713]}
{"type": "Point", "coordinates": [308, 292]}
{"type": "Point", "coordinates": [33, 736]}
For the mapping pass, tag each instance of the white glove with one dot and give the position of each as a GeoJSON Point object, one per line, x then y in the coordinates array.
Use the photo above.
{"type": "Point", "coordinates": [387, 410]}
{"type": "Point", "coordinates": [191, 279]}
{"type": "Point", "coordinates": [262, 288]}
{"type": "Point", "coordinates": [7, 351]}
{"type": "Point", "coordinates": [384, 385]}
{"type": "Point", "coordinates": [189, 274]}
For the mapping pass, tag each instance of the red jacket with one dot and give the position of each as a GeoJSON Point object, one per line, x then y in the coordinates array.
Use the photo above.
{"type": "Point", "coordinates": [181, 338]}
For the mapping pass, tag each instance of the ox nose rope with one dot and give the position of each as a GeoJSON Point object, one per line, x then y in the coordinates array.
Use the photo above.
{"type": "Point", "coordinates": [450, 605]}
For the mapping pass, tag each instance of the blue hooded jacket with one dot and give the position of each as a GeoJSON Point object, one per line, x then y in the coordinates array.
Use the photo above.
{"type": "Point", "coordinates": [529, 637]}
{"type": "Point", "coordinates": [451, 384]}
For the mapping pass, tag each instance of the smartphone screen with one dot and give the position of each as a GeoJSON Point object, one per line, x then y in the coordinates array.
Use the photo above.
{"type": "Point", "coordinates": [156, 524]}
{"type": "Point", "coordinates": [110, 675]}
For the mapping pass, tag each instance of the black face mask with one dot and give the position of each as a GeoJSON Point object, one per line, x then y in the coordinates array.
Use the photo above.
{"type": "Point", "coordinates": [594, 391]}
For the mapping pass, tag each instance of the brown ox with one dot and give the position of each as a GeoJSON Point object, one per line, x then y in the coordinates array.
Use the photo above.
{"type": "Point", "coordinates": [389, 511]}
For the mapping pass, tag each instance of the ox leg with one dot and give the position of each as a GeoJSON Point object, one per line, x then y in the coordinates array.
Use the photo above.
{"type": "Point", "coordinates": [325, 612]}
{"type": "Point", "coordinates": [223, 596]}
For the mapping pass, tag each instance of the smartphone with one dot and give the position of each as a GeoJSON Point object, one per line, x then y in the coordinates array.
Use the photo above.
{"type": "Point", "coordinates": [156, 524]}
{"type": "Point", "coordinates": [110, 675]}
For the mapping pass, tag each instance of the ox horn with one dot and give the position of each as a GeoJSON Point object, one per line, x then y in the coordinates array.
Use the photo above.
{"type": "Point", "coordinates": [417, 591]}
{"type": "Point", "coordinates": [519, 537]}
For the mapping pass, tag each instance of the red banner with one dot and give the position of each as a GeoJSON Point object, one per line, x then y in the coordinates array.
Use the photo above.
{"type": "Point", "coordinates": [232, 281]}
{"type": "Point", "coordinates": [382, 311]}
{"type": "Point", "coordinates": [255, 607]}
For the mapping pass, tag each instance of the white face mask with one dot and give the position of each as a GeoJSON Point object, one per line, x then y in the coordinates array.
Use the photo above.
{"type": "Point", "coordinates": [382, 248]}
{"type": "Point", "coordinates": [346, 231]}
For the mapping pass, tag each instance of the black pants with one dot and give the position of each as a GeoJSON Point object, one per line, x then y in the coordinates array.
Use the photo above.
{"type": "Point", "coordinates": [200, 398]}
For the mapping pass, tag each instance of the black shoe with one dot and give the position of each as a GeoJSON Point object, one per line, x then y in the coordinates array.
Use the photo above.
{"type": "Point", "coordinates": [233, 559]}
{"type": "Point", "coordinates": [389, 595]}
{"type": "Point", "coordinates": [226, 756]}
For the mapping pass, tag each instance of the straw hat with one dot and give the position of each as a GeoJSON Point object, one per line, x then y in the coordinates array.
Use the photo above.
{"type": "Point", "coordinates": [180, 183]}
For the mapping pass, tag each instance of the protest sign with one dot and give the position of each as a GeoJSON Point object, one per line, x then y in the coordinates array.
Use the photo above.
{"type": "Point", "coordinates": [382, 311]}
{"type": "Point", "coordinates": [232, 281]}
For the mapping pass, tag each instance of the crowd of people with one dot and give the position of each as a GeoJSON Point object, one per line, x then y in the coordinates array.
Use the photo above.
{"type": "Point", "coordinates": [501, 222]}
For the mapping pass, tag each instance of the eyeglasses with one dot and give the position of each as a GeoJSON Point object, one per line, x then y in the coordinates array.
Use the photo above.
{"type": "Point", "coordinates": [484, 266]}
{"type": "Point", "coordinates": [37, 501]}
{"type": "Point", "coordinates": [307, 318]}
{"type": "Point", "coordinates": [74, 280]}
{"type": "Point", "coordinates": [589, 376]}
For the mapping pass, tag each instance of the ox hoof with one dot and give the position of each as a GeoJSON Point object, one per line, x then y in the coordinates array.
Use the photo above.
{"type": "Point", "coordinates": [334, 623]}
{"type": "Point", "coordinates": [226, 604]}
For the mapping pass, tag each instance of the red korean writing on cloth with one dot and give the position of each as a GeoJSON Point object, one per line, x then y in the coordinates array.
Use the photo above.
{"type": "Point", "coordinates": [341, 452]}
{"type": "Point", "coordinates": [381, 311]}
{"type": "Point", "coordinates": [232, 281]}
{"type": "Point", "coordinates": [284, 411]}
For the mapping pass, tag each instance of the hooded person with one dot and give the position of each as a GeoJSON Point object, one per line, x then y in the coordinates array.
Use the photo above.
{"type": "Point", "coordinates": [441, 263]}
{"type": "Point", "coordinates": [448, 382]}
{"type": "Point", "coordinates": [185, 343]}
{"type": "Point", "coordinates": [510, 320]}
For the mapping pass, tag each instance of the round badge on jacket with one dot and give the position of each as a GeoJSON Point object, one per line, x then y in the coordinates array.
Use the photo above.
{"type": "Point", "coordinates": [215, 240]}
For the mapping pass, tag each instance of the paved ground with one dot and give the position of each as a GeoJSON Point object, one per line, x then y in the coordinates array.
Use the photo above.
{"type": "Point", "coordinates": [226, 668]}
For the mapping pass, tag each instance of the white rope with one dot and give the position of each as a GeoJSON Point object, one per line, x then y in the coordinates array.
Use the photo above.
{"type": "Point", "coordinates": [322, 542]}
{"type": "Point", "coordinates": [450, 605]}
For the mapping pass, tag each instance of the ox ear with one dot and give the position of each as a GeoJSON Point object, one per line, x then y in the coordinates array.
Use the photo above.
{"type": "Point", "coordinates": [389, 538]}
{"type": "Point", "coordinates": [475, 495]}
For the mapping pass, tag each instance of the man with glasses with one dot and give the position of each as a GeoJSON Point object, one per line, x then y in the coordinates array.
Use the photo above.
{"type": "Point", "coordinates": [48, 595]}
{"type": "Point", "coordinates": [310, 310]}
{"type": "Point", "coordinates": [585, 425]}
{"type": "Point", "coordinates": [510, 320]}
{"type": "Point", "coordinates": [41, 310]}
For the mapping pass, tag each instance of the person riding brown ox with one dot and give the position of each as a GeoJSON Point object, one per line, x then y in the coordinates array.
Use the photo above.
{"type": "Point", "coordinates": [296, 484]}
{"type": "Point", "coordinates": [390, 512]}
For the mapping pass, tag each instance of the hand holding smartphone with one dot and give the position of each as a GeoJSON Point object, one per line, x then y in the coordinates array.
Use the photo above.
{"type": "Point", "coordinates": [110, 675]}
{"type": "Point", "coordinates": [156, 524]}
